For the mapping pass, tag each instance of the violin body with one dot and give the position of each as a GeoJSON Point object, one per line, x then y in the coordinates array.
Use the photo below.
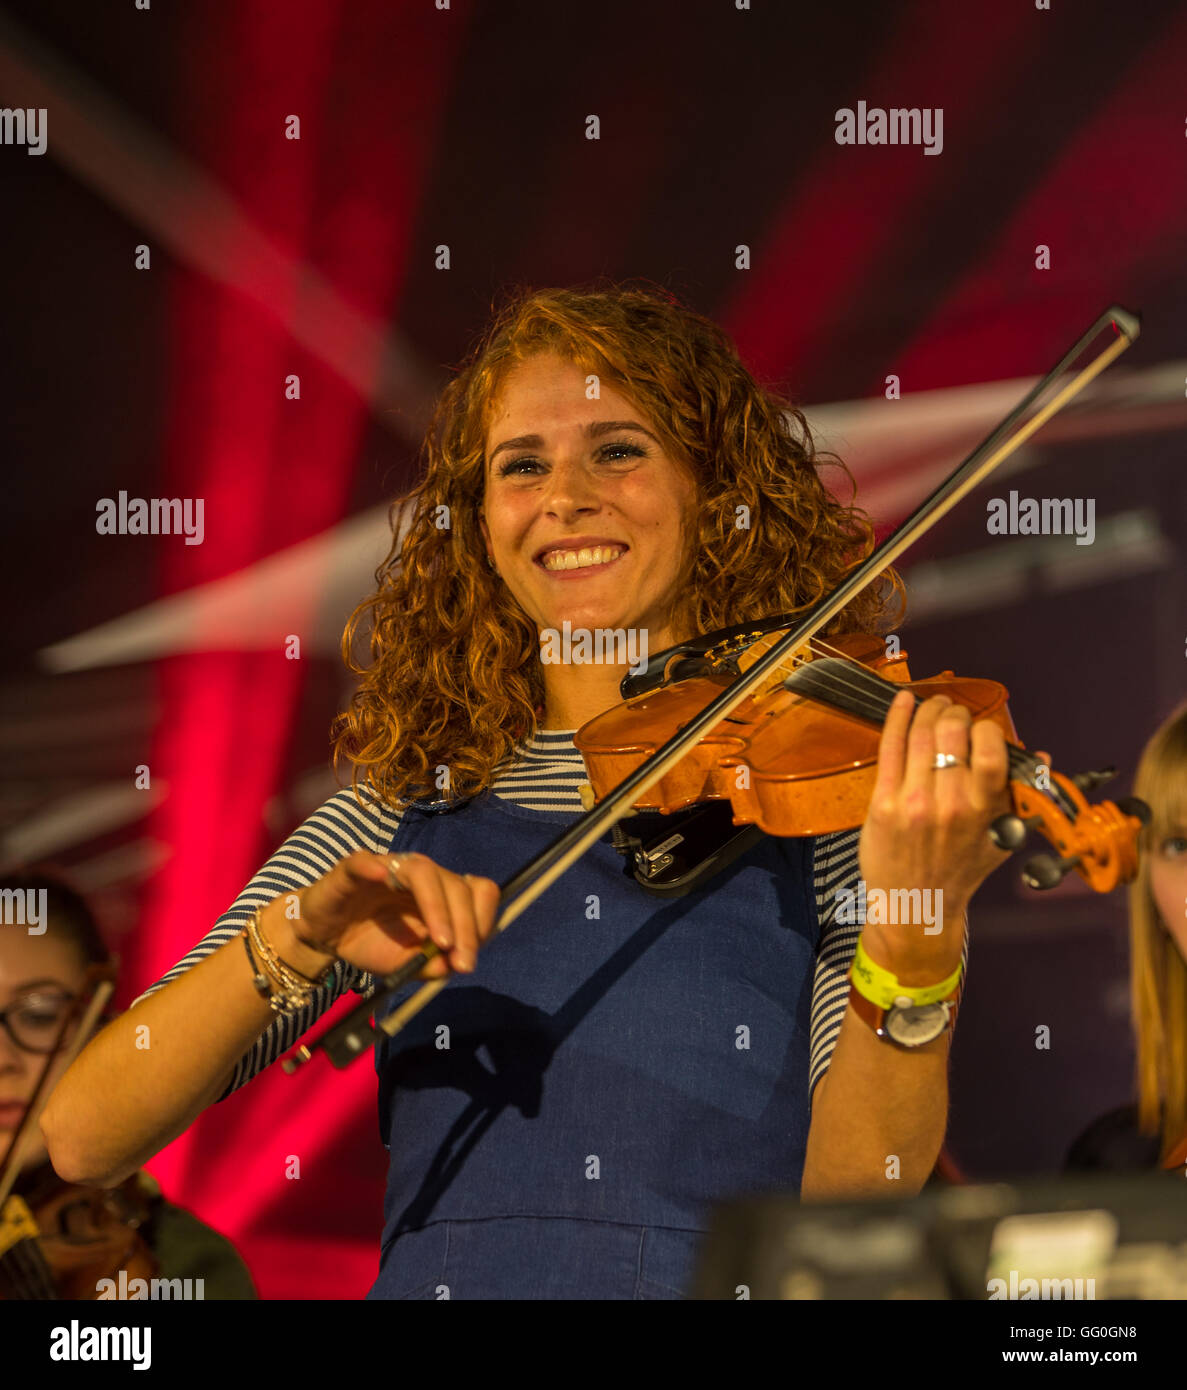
{"type": "Point", "coordinates": [785, 762]}
{"type": "Point", "coordinates": [816, 770]}
{"type": "Point", "coordinates": [62, 1239]}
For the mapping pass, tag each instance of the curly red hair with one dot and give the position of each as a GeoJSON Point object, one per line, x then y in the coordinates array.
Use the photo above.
{"type": "Point", "coordinates": [453, 677]}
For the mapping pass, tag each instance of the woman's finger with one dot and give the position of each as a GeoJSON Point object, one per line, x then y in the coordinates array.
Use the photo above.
{"type": "Point", "coordinates": [989, 763]}
{"type": "Point", "coordinates": [951, 784]}
{"type": "Point", "coordinates": [486, 903]}
{"type": "Point", "coordinates": [464, 954]}
{"type": "Point", "coordinates": [918, 784]}
{"type": "Point", "coordinates": [892, 749]}
{"type": "Point", "coordinates": [423, 879]}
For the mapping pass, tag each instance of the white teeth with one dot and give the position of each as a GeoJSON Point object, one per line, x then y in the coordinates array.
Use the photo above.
{"type": "Point", "coordinates": [580, 559]}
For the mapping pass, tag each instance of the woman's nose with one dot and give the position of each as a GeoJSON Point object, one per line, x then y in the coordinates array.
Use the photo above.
{"type": "Point", "coordinates": [12, 1058]}
{"type": "Point", "coordinates": [571, 491]}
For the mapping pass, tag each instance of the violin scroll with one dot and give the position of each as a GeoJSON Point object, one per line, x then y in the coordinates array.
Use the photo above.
{"type": "Point", "coordinates": [1099, 841]}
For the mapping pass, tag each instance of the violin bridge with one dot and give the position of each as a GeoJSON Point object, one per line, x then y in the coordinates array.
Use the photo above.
{"type": "Point", "coordinates": [791, 662]}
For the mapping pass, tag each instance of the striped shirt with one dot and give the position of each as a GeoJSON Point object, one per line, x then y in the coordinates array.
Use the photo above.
{"type": "Point", "coordinates": [546, 777]}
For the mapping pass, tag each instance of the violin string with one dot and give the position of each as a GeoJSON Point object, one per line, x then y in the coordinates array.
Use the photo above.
{"type": "Point", "coordinates": [879, 693]}
{"type": "Point", "coordinates": [30, 1272]}
{"type": "Point", "coordinates": [882, 692]}
{"type": "Point", "coordinates": [37, 1269]}
{"type": "Point", "coordinates": [876, 683]}
{"type": "Point", "coordinates": [871, 709]}
{"type": "Point", "coordinates": [874, 695]}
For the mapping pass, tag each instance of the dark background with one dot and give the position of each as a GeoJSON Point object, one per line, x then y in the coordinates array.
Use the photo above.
{"type": "Point", "coordinates": [316, 257]}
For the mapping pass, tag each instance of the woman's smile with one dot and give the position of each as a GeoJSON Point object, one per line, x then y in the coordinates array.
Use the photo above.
{"type": "Point", "coordinates": [580, 557]}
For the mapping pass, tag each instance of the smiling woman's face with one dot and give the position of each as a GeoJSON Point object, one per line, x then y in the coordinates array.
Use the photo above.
{"type": "Point", "coordinates": [585, 514]}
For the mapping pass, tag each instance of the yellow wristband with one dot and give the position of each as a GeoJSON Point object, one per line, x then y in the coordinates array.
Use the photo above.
{"type": "Point", "coordinates": [880, 987]}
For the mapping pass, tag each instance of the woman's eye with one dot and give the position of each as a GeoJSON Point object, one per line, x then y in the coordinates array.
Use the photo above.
{"type": "Point", "coordinates": [43, 1006]}
{"type": "Point", "coordinates": [41, 1017]}
{"type": "Point", "coordinates": [608, 453]}
{"type": "Point", "coordinates": [1173, 847]}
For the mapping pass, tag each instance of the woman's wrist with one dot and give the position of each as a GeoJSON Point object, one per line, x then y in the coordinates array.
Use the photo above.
{"type": "Point", "coordinates": [281, 934]}
{"type": "Point", "coordinates": [915, 960]}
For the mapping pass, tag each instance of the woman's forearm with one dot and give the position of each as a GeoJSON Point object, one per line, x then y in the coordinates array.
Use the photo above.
{"type": "Point", "coordinates": [878, 1117]}
{"type": "Point", "coordinates": [150, 1073]}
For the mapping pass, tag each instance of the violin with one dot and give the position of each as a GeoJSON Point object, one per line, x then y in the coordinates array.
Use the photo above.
{"type": "Point", "coordinates": [800, 756]}
{"type": "Point", "coordinates": [58, 1239]}
{"type": "Point", "coordinates": [790, 741]}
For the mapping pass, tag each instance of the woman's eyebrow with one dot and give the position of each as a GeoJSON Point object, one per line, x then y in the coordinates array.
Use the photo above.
{"type": "Point", "coordinates": [522, 441]}
{"type": "Point", "coordinates": [31, 988]}
{"type": "Point", "coordinates": [594, 430]}
{"type": "Point", "coordinates": [30, 985]}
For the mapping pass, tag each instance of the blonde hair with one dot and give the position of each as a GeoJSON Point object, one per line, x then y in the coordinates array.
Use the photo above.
{"type": "Point", "coordinates": [1158, 973]}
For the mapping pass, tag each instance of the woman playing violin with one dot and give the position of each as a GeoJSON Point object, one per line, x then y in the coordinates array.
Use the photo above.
{"type": "Point", "coordinates": [561, 1118]}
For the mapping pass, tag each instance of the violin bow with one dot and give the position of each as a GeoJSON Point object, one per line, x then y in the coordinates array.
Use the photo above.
{"type": "Point", "coordinates": [347, 1039]}
{"type": "Point", "coordinates": [91, 1006]}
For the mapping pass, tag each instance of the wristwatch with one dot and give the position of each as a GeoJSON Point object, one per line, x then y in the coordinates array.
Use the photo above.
{"type": "Point", "coordinates": [904, 1023]}
{"type": "Point", "coordinates": [900, 1014]}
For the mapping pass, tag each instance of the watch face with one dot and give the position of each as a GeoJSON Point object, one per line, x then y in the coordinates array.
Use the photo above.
{"type": "Point", "coordinates": [915, 1026]}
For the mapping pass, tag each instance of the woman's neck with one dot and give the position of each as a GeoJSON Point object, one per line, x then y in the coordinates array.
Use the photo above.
{"type": "Point", "coordinates": [573, 695]}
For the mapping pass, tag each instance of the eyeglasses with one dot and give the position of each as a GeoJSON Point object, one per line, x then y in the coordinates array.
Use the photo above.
{"type": "Point", "coordinates": [34, 1020]}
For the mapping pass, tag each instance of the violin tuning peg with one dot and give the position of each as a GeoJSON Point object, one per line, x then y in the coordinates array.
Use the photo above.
{"type": "Point", "coordinates": [1134, 806]}
{"type": "Point", "coordinates": [1047, 870]}
{"type": "Point", "coordinates": [1010, 831]}
{"type": "Point", "coordinates": [1089, 781]}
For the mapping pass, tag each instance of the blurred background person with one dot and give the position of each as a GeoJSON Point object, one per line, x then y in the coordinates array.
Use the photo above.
{"type": "Point", "coordinates": [1142, 1134]}
{"type": "Point", "coordinates": [42, 974]}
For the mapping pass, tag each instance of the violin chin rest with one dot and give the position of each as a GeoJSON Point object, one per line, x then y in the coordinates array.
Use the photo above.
{"type": "Point", "coordinates": [671, 855]}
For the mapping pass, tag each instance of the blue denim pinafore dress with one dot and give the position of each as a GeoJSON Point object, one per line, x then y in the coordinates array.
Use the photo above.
{"type": "Point", "coordinates": [560, 1121]}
